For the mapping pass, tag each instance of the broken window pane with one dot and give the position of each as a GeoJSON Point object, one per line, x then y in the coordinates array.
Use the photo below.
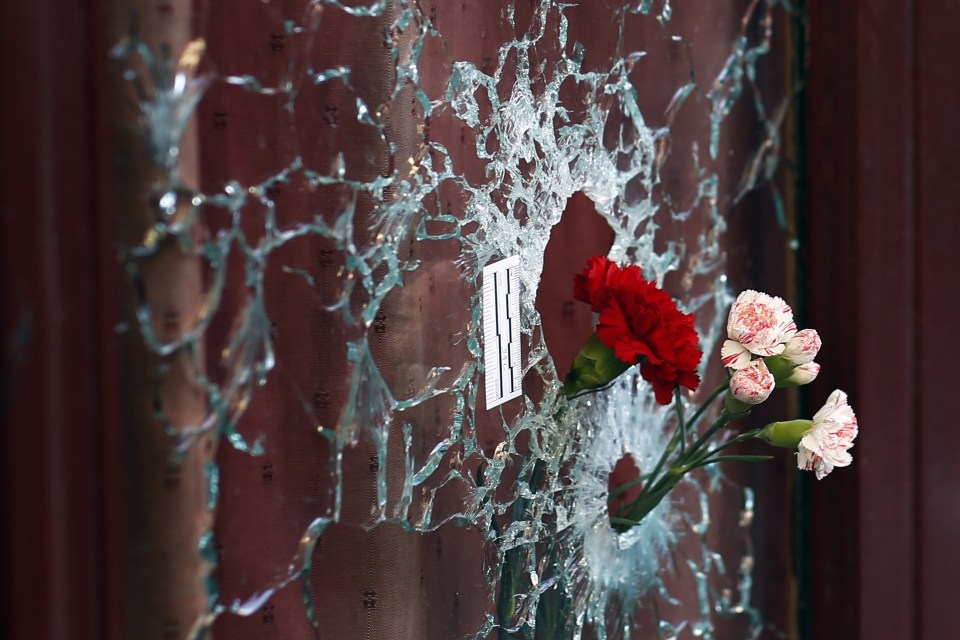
{"type": "Point", "coordinates": [315, 190]}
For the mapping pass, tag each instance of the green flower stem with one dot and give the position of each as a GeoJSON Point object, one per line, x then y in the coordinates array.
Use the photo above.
{"type": "Point", "coordinates": [628, 485]}
{"type": "Point", "coordinates": [681, 425]}
{"type": "Point", "coordinates": [648, 501]}
{"type": "Point", "coordinates": [724, 419]}
{"type": "Point", "coordinates": [706, 404]}
{"type": "Point", "coordinates": [689, 458]}
{"type": "Point", "coordinates": [652, 496]}
{"type": "Point", "coordinates": [699, 460]}
{"type": "Point", "coordinates": [680, 434]}
{"type": "Point", "coordinates": [731, 459]}
{"type": "Point", "coordinates": [663, 457]}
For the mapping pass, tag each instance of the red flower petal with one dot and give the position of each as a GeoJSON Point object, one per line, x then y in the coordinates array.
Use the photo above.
{"type": "Point", "coordinates": [641, 323]}
{"type": "Point", "coordinates": [591, 285]}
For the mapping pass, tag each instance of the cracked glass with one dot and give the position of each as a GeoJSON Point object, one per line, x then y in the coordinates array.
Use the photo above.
{"type": "Point", "coordinates": [310, 193]}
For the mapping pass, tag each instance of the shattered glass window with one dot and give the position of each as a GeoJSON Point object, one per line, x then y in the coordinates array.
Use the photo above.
{"type": "Point", "coordinates": [311, 191]}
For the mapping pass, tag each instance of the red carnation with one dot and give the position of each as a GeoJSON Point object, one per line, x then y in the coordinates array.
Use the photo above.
{"type": "Point", "coordinates": [641, 324]}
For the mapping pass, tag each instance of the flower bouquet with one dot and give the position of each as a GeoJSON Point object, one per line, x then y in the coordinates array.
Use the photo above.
{"type": "Point", "coordinates": [640, 324]}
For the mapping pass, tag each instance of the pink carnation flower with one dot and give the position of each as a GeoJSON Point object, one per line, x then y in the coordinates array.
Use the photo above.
{"type": "Point", "coordinates": [752, 384]}
{"type": "Point", "coordinates": [758, 324]}
{"type": "Point", "coordinates": [826, 444]}
{"type": "Point", "coordinates": [803, 347]}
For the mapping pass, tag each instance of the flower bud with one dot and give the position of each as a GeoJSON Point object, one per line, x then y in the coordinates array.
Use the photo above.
{"type": "Point", "coordinates": [786, 434]}
{"type": "Point", "coordinates": [804, 374]}
{"type": "Point", "coordinates": [594, 366]}
{"type": "Point", "coordinates": [802, 347]}
{"type": "Point", "coordinates": [749, 387]}
{"type": "Point", "coordinates": [752, 385]}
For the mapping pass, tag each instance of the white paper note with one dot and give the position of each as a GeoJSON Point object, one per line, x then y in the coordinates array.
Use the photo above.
{"type": "Point", "coordinates": [501, 331]}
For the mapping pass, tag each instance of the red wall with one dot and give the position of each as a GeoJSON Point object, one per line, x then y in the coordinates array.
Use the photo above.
{"type": "Point", "coordinates": [882, 230]}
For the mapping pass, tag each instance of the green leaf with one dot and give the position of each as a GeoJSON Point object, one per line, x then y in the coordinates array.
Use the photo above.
{"type": "Point", "coordinates": [735, 459]}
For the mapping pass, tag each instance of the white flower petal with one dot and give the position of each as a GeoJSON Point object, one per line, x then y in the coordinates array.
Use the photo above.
{"type": "Point", "coordinates": [828, 442]}
{"type": "Point", "coordinates": [822, 469]}
{"type": "Point", "coordinates": [761, 323]}
{"type": "Point", "coordinates": [805, 458]}
{"type": "Point", "coordinates": [835, 402]}
{"type": "Point", "coordinates": [764, 352]}
{"type": "Point", "coordinates": [734, 355]}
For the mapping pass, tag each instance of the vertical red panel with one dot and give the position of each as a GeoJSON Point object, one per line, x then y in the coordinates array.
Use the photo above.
{"type": "Point", "coordinates": [45, 323]}
{"type": "Point", "coordinates": [828, 257]}
{"type": "Point", "coordinates": [937, 348]}
{"type": "Point", "coordinates": [60, 467]}
{"type": "Point", "coordinates": [901, 99]}
{"type": "Point", "coordinates": [885, 362]}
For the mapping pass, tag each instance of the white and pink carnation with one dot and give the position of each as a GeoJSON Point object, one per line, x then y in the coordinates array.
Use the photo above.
{"type": "Point", "coordinates": [803, 347]}
{"type": "Point", "coordinates": [759, 325]}
{"type": "Point", "coordinates": [826, 445]}
{"type": "Point", "coordinates": [752, 384]}
{"type": "Point", "coordinates": [804, 374]}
